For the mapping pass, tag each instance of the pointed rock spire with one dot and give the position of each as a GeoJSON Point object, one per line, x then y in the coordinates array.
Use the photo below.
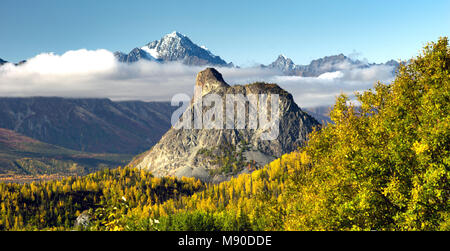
{"type": "Point", "coordinates": [181, 151]}
{"type": "Point", "coordinates": [210, 80]}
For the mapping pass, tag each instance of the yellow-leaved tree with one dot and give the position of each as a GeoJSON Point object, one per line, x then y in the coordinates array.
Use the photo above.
{"type": "Point", "coordinates": [384, 164]}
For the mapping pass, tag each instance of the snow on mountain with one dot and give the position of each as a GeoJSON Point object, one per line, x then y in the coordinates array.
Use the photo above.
{"type": "Point", "coordinates": [284, 64]}
{"type": "Point", "coordinates": [153, 52]}
{"type": "Point", "coordinates": [173, 47]}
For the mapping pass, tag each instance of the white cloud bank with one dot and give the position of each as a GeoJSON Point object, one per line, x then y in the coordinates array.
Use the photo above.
{"type": "Point", "coordinates": [84, 73]}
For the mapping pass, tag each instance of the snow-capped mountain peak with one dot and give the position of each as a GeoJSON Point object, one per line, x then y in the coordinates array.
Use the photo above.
{"type": "Point", "coordinates": [176, 47]}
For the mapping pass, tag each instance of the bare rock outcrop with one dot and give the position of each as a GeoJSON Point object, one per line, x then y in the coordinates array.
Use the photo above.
{"type": "Point", "coordinates": [217, 154]}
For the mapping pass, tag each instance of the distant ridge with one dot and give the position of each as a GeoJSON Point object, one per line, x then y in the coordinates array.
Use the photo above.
{"type": "Point", "coordinates": [320, 66]}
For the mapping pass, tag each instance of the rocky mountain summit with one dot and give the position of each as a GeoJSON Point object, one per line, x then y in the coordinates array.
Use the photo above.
{"type": "Point", "coordinates": [173, 47]}
{"type": "Point", "coordinates": [284, 64]}
{"type": "Point", "coordinates": [217, 154]}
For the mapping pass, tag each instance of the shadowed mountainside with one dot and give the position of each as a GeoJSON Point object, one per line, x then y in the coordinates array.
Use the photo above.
{"type": "Point", "coordinates": [21, 155]}
{"type": "Point", "coordinates": [91, 125]}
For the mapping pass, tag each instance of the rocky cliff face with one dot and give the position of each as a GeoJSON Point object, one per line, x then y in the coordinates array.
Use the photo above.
{"type": "Point", "coordinates": [217, 154]}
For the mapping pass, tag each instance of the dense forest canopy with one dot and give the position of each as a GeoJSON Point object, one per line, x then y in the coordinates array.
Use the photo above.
{"type": "Point", "coordinates": [382, 165]}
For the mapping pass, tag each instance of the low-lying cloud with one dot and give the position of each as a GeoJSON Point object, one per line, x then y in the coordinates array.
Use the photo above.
{"type": "Point", "coordinates": [93, 74]}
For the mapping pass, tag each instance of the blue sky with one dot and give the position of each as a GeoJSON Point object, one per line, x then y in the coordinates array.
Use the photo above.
{"type": "Point", "coordinates": [244, 32]}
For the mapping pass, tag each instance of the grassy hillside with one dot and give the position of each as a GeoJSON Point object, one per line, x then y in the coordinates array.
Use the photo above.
{"type": "Point", "coordinates": [23, 159]}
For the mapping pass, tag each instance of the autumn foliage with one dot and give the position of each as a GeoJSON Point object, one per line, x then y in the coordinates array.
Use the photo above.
{"type": "Point", "coordinates": [382, 165]}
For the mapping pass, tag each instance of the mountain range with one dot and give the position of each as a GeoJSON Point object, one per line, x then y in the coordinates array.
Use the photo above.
{"type": "Point", "coordinates": [127, 128]}
{"type": "Point", "coordinates": [322, 65]}
{"type": "Point", "coordinates": [176, 47]}
{"type": "Point", "coordinates": [91, 125]}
